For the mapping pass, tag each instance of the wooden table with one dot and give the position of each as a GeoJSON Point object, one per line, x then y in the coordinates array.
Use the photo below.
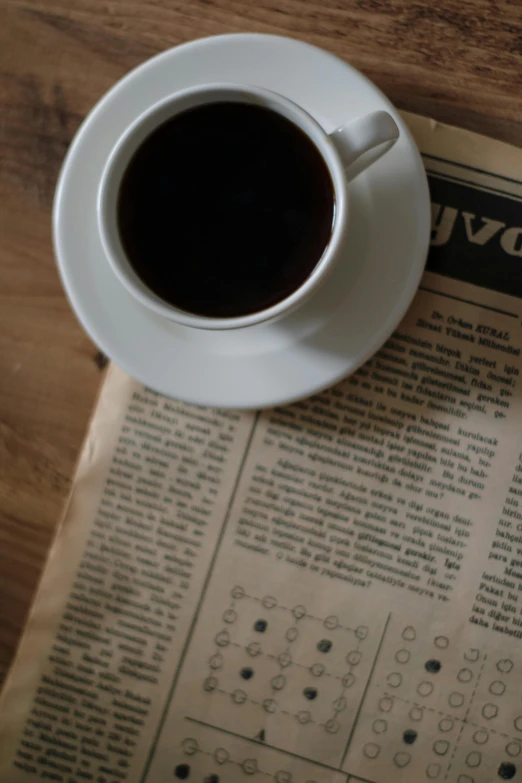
{"type": "Point", "coordinates": [459, 61]}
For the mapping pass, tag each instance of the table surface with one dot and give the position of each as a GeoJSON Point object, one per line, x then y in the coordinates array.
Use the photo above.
{"type": "Point", "coordinates": [459, 61]}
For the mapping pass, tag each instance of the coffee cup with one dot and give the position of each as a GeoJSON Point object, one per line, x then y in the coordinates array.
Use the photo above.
{"type": "Point", "coordinates": [225, 206]}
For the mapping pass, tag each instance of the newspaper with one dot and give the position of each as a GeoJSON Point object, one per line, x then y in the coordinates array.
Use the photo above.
{"type": "Point", "coordinates": [315, 593]}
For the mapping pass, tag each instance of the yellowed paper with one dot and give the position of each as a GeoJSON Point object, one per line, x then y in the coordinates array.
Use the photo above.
{"type": "Point", "coordinates": [321, 592]}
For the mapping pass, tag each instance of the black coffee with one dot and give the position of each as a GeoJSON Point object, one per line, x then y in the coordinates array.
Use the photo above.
{"type": "Point", "coordinates": [225, 209]}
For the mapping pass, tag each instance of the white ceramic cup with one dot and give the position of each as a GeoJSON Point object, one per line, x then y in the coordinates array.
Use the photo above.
{"type": "Point", "coordinates": [347, 151]}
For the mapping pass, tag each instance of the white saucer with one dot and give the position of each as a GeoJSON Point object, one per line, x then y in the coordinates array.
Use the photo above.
{"type": "Point", "coordinates": [348, 319]}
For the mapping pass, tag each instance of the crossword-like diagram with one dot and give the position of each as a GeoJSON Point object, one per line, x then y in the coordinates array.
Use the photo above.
{"type": "Point", "coordinates": [437, 710]}
{"type": "Point", "coordinates": [283, 660]}
{"type": "Point", "coordinates": [350, 693]}
{"type": "Point", "coordinates": [248, 765]}
{"type": "Point", "coordinates": [210, 762]}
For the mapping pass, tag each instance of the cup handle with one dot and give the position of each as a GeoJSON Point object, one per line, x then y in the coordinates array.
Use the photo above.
{"type": "Point", "coordinates": [362, 141]}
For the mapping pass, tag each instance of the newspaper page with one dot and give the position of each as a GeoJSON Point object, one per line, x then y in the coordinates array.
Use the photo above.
{"type": "Point", "coordinates": [318, 593]}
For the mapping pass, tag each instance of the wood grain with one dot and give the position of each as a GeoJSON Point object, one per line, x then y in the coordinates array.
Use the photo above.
{"type": "Point", "coordinates": [458, 61]}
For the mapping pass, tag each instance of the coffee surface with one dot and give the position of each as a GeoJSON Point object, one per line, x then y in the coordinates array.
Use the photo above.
{"type": "Point", "coordinates": [225, 209]}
